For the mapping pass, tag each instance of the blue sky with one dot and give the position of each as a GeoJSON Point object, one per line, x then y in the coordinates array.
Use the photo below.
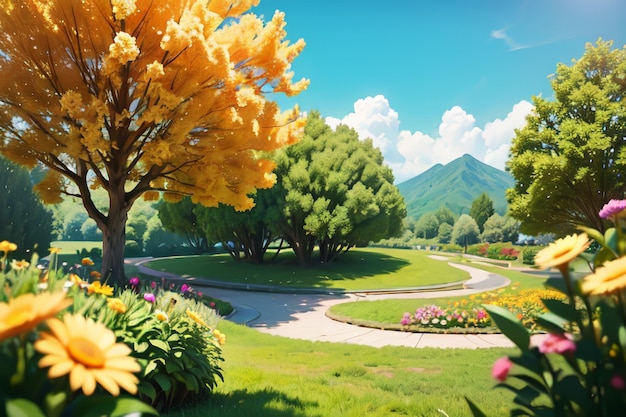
{"type": "Point", "coordinates": [432, 80]}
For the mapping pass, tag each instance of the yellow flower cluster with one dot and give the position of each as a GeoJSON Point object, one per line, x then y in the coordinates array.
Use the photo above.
{"type": "Point", "coordinates": [124, 48]}
{"type": "Point", "coordinates": [123, 8]}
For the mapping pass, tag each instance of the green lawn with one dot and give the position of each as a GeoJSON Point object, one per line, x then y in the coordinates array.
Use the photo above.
{"type": "Point", "coordinates": [271, 376]}
{"type": "Point", "coordinates": [359, 269]}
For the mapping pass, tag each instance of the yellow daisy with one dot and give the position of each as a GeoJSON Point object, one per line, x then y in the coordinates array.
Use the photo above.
{"type": "Point", "coordinates": [221, 337]}
{"type": "Point", "coordinates": [23, 313]}
{"type": "Point", "coordinates": [117, 305]}
{"type": "Point", "coordinates": [196, 317]}
{"type": "Point", "coordinates": [98, 288]}
{"type": "Point", "coordinates": [609, 278]}
{"type": "Point", "coordinates": [161, 315]}
{"type": "Point", "coordinates": [6, 246]}
{"type": "Point", "coordinates": [87, 262]}
{"type": "Point", "coordinates": [17, 265]}
{"type": "Point", "coordinates": [562, 251]}
{"type": "Point", "coordinates": [88, 352]}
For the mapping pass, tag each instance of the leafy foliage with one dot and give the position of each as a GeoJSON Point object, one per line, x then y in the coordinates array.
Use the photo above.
{"type": "Point", "coordinates": [465, 231]}
{"type": "Point", "coordinates": [569, 159]}
{"type": "Point", "coordinates": [23, 218]}
{"type": "Point", "coordinates": [481, 210]}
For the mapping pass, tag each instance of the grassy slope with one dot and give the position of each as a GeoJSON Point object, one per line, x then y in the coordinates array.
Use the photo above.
{"type": "Point", "coordinates": [270, 376]}
{"type": "Point", "coordinates": [358, 269]}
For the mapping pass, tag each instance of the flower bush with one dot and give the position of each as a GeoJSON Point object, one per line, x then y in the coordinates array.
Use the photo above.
{"type": "Point", "coordinates": [526, 305]}
{"type": "Point", "coordinates": [74, 347]}
{"type": "Point", "coordinates": [579, 367]}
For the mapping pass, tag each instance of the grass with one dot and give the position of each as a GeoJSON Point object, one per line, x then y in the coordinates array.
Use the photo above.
{"type": "Point", "coordinates": [271, 376]}
{"type": "Point", "coordinates": [359, 269]}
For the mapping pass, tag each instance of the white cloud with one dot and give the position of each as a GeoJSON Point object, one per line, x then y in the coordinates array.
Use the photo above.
{"type": "Point", "coordinates": [411, 153]}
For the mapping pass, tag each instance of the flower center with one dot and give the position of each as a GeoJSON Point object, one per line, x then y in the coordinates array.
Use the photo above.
{"type": "Point", "coordinates": [86, 352]}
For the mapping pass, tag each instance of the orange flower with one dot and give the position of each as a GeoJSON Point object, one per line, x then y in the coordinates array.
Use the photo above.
{"type": "Point", "coordinates": [88, 352]}
{"type": "Point", "coordinates": [23, 313]}
{"type": "Point", "coordinates": [117, 305]}
{"type": "Point", "coordinates": [95, 274]}
{"type": "Point", "coordinates": [196, 317]}
{"type": "Point", "coordinates": [98, 288]}
{"type": "Point", "coordinates": [55, 250]}
{"type": "Point", "coordinates": [17, 265]}
{"type": "Point", "coordinates": [87, 262]}
{"type": "Point", "coordinates": [562, 251]}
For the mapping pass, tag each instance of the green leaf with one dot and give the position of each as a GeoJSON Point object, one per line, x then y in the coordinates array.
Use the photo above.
{"type": "Point", "coordinates": [145, 388]}
{"type": "Point", "coordinates": [562, 309]}
{"type": "Point", "coordinates": [526, 395]}
{"type": "Point", "coordinates": [97, 406]}
{"type": "Point", "coordinates": [571, 388]}
{"type": "Point", "coordinates": [510, 326]}
{"type": "Point", "coordinates": [160, 344]}
{"type": "Point", "coordinates": [20, 407]}
{"type": "Point", "coordinates": [551, 322]}
{"type": "Point", "coordinates": [163, 381]}
{"type": "Point", "coordinates": [594, 234]}
{"type": "Point", "coordinates": [476, 412]}
{"type": "Point", "coordinates": [557, 284]}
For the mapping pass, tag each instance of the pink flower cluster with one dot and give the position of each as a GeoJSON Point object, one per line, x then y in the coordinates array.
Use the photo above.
{"type": "Point", "coordinates": [435, 316]}
{"type": "Point", "coordinates": [612, 209]}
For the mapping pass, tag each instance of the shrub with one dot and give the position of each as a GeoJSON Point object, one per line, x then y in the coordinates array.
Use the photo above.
{"type": "Point", "coordinates": [528, 256]}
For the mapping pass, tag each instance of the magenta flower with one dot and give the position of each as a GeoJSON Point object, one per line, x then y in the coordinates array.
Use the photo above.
{"type": "Point", "coordinates": [557, 343]}
{"type": "Point", "coordinates": [149, 297]}
{"type": "Point", "coordinates": [406, 319]}
{"type": "Point", "coordinates": [199, 294]}
{"type": "Point", "coordinates": [612, 209]}
{"type": "Point", "coordinates": [501, 368]}
{"type": "Point", "coordinates": [618, 382]}
{"type": "Point", "coordinates": [184, 288]}
{"type": "Point", "coordinates": [134, 281]}
{"type": "Point", "coordinates": [212, 304]}
{"type": "Point", "coordinates": [153, 284]}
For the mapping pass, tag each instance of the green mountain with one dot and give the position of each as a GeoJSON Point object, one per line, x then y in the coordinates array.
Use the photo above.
{"type": "Point", "coordinates": [456, 185]}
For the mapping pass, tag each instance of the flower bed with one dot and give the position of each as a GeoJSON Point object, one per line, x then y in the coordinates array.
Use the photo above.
{"type": "Point", "coordinates": [70, 344]}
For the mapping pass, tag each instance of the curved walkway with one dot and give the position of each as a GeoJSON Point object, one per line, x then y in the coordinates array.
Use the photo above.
{"type": "Point", "coordinates": [302, 315]}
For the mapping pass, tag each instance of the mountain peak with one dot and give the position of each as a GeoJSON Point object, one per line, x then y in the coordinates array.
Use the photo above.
{"type": "Point", "coordinates": [456, 185]}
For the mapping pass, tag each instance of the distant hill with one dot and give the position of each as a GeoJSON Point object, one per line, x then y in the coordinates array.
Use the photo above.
{"type": "Point", "coordinates": [456, 185]}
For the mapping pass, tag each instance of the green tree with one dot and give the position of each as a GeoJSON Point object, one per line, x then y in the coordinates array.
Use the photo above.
{"type": "Point", "coordinates": [481, 209]}
{"type": "Point", "coordinates": [465, 231]}
{"type": "Point", "coordinates": [335, 192]}
{"type": "Point", "coordinates": [570, 158]}
{"type": "Point", "coordinates": [23, 218]}
{"type": "Point", "coordinates": [180, 218]}
{"type": "Point", "coordinates": [445, 215]}
{"type": "Point", "coordinates": [427, 226]}
{"type": "Point", "coordinates": [444, 233]}
{"type": "Point", "coordinates": [499, 228]}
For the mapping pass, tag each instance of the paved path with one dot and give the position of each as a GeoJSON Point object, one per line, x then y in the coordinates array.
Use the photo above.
{"type": "Point", "coordinates": [302, 315]}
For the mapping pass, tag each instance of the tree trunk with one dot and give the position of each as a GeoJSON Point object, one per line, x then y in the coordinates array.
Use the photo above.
{"type": "Point", "coordinates": [113, 243]}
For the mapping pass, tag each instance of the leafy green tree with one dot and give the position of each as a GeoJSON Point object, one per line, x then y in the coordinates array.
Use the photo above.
{"type": "Point", "coordinates": [465, 232]}
{"type": "Point", "coordinates": [481, 209]}
{"type": "Point", "coordinates": [427, 226]}
{"type": "Point", "coordinates": [23, 218]}
{"type": "Point", "coordinates": [181, 219]}
{"type": "Point", "coordinates": [444, 233]}
{"type": "Point", "coordinates": [335, 192]}
{"type": "Point", "coordinates": [159, 242]}
{"type": "Point", "coordinates": [445, 215]}
{"type": "Point", "coordinates": [570, 158]}
{"type": "Point", "coordinates": [500, 229]}
{"type": "Point", "coordinates": [246, 235]}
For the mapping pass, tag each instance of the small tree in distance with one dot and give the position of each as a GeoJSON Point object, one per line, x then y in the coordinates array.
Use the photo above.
{"type": "Point", "coordinates": [144, 97]}
{"type": "Point", "coordinates": [465, 232]}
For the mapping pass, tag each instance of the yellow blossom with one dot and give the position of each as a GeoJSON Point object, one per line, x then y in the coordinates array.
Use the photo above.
{"type": "Point", "coordinates": [98, 288]}
{"type": "Point", "coordinates": [154, 70]}
{"type": "Point", "coordinates": [72, 103]}
{"type": "Point", "coordinates": [55, 251]}
{"type": "Point", "coordinates": [23, 313]}
{"type": "Point", "coordinates": [609, 278]}
{"type": "Point", "coordinates": [17, 265]}
{"type": "Point", "coordinates": [6, 246]}
{"type": "Point", "coordinates": [123, 8]}
{"type": "Point", "coordinates": [196, 317]}
{"type": "Point", "coordinates": [562, 251]}
{"type": "Point", "coordinates": [161, 315]}
{"type": "Point", "coordinates": [116, 305]}
{"type": "Point", "coordinates": [220, 337]}
{"type": "Point", "coordinates": [88, 352]}
{"type": "Point", "coordinates": [123, 48]}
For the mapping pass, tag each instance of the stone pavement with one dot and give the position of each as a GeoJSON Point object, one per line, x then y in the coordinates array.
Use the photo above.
{"type": "Point", "coordinates": [301, 315]}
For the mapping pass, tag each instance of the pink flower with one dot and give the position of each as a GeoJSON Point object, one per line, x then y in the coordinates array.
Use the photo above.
{"type": "Point", "coordinates": [406, 319]}
{"type": "Point", "coordinates": [134, 281]}
{"type": "Point", "coordinates": [557, 343]}
{"type": "Point", "coordinates": [612, 209]}
{"type": "Point", "coordinates": [212, 304]}
{"type": "Point", "coordinates": [149, 297]}
{"type": "Point", "coordinates": [184, 288]}
{"type": "Point", "coordinates": [618, 382]}
{"type": "Point", "coordinates": [199, 294]}
{"type": "Point", "coordinates": [153, 284]}
{"type": "Point", "coordinates": [501, 368]}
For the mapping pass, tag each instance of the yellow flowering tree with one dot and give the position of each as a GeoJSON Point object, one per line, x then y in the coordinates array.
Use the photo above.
{"type": "Point", "coordinates": [140, 97]}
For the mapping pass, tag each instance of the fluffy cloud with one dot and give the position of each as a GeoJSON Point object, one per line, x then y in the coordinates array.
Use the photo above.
{"type": "Point", "coordinates": [411, 153]}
